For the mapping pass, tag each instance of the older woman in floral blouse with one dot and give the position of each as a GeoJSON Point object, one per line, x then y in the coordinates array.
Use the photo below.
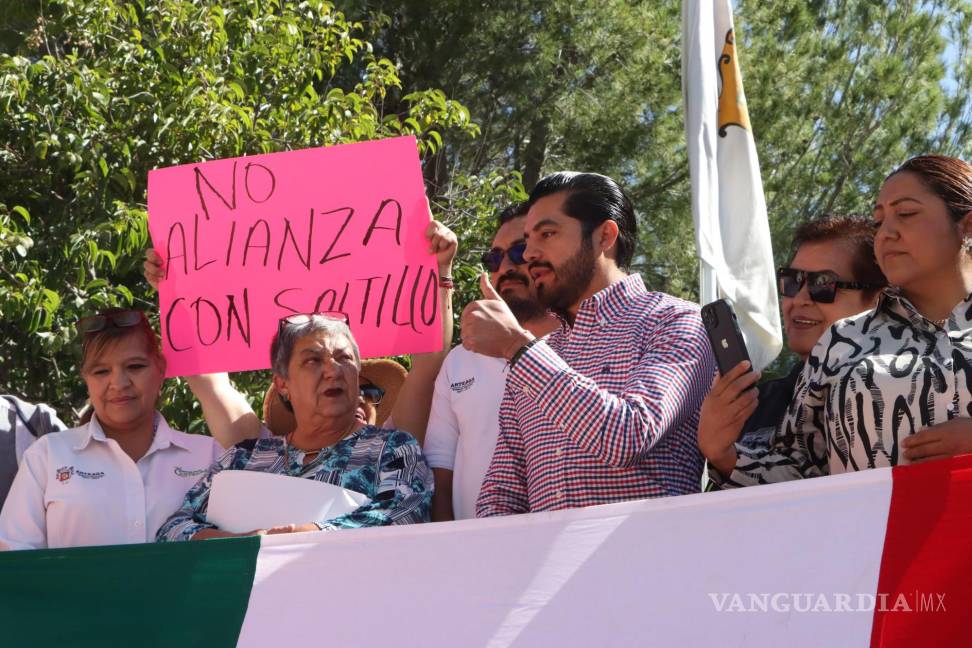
{"type": "Point", "coordinates": [894, 384]}
{"type": "Point", "coordinates": [315, 365]}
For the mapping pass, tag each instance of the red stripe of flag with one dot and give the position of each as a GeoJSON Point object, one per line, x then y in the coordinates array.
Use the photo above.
{"type": "Point", "coordinates": [925, 584]}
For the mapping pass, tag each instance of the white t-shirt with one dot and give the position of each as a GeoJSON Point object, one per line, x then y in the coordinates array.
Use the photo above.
{"type": "Point", "coordinates": [464, 423]}
{"type": "Point", "coordinates": [78, 488]}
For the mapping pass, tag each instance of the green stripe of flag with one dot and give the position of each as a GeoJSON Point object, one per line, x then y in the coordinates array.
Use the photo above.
{"type": "Point", "coordinates": [183, 594]}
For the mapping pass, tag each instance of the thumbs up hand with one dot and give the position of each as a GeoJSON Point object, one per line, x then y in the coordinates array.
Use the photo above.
{"type": "Point", "coordinates": [487, 289]}
{"type": "Point", "coordinates": [489, 327]}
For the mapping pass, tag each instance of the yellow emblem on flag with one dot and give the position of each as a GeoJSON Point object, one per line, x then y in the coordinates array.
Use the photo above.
{"type": "Point", "coordinates": [732, 100]}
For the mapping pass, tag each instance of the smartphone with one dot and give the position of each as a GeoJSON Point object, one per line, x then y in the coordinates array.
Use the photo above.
{"type": "Point", "coordinates": [725, 338]}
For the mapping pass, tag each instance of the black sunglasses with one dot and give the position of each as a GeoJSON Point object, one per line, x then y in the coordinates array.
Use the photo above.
{"type": "Point", "coordinates": [372, 393]}
{"type": "Point", "coordinates": [299, 319]}
{"type": "Point", "coordinates": [493, 258]}
{"type": "Point", "coordinates": [821, 286]}
{"type": "Point", "coordinates": [120, 319]}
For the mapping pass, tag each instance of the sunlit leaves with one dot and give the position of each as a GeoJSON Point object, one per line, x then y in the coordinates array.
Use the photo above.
{"type": "Point", "coordinates": [104, 90]}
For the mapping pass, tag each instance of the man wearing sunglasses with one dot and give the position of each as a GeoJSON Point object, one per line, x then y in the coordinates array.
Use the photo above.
{"type": "Point", "coordinates": [832, 275]}
{"type": "Point", "coordinates": [463, 424]}
{"type": "Point", "coordinates": [604, 409]}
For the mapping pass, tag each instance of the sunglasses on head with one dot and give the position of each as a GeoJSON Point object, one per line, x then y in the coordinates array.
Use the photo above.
{"type": "Point", "coordinates": [372, 393]}
{"type": "Point", "coordinates": [299, 319]}
{"type": "Point", "coordinates": [120, 319]}
{"type": "Point", "coordinates": [821, 286]}
{"type": "Point", "coordinates": [493, 258]}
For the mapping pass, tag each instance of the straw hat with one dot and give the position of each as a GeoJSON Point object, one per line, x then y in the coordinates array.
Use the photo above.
{"type": "Point", "coordinates": [385, 373]}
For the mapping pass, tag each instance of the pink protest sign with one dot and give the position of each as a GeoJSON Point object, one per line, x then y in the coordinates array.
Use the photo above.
{"type": "Point", "coordinates": [253, 239]}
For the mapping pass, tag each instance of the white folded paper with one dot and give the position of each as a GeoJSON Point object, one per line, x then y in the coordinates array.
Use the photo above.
{"type": "Point", "coordinates": [244, 500]}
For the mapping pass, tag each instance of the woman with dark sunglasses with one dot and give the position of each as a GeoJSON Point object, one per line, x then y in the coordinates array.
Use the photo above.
{"type": "Point", "coordinates": [117, 478]}
{"type": "Point", "coordinates": [891, 385]}
{"type": "Point", "coordinates": [831, 275]}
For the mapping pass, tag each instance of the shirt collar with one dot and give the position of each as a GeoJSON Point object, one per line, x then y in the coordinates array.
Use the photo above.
{"type": "Point", "coordinates": [164, 437]}
{"type": "Point", "coordinates": [891, 300]}
{"type": "Point", "coordinates": [603, 305]}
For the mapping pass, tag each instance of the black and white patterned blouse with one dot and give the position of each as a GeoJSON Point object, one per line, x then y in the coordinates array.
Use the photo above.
{"type": "Point", "coordinates": [872, 380]}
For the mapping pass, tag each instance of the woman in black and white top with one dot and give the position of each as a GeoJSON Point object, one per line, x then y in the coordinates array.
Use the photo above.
{"type": "Point", "coordinates": [894, 384]}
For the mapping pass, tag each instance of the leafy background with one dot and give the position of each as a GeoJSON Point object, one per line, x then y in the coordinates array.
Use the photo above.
{"type": "Point", "coordinates": [94, 93]}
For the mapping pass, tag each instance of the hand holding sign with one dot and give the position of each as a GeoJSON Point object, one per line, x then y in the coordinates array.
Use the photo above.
{"type": "Point", "coordinates": [442, 243]}
{"type": "Point", "coordinates": [153, 268]}
{"type": "Point", "coordinates": [489, 326]}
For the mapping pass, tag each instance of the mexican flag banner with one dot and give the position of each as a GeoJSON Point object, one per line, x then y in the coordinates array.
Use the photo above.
{"type": "Point", "coordinates": [880, 558]}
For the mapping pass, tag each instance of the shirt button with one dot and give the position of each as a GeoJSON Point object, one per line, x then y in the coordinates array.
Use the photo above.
{"type": "Point", "coordinates": [560, 452]}
{"type": "Point", "coordinates": [559, 494]}
{"type": "Point", "coordinates": [526, 390]}
{"type": "Point", "coordinates": [138, 523]}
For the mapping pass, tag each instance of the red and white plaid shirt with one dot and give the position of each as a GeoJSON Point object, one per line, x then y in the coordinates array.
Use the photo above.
{"type": "Point", "coordinates": [605, 411]}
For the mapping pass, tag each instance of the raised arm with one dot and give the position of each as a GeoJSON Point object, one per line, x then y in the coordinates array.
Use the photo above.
{"type": "Point", "coordinates": [228, 414]}
{"type": "Point", "coordinates": [411, 411]}
{"type": "Point", "coordinates": [799, 446]}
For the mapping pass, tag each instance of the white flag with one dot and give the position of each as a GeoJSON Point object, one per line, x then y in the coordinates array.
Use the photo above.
{"type": "Point", "coordinates": [728, 206]}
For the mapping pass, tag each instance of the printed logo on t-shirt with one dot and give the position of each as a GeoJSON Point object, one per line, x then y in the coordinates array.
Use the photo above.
{"type": "Point", "coordinates": [64, 473]}
{"type": "Point", "coordinates": [189, 473]}
{"type": "Point", "coordinates": [89, 475]}
{"type": "Point", "coordinates": [462, 385]}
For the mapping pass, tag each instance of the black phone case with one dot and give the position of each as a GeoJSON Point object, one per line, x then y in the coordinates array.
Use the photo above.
{"type": "Point", "coordinates": [725, 338]}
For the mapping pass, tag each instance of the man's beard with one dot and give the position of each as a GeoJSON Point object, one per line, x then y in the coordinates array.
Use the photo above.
{"type": "Point", "coordinates": [523, 308]}
{"type": "Point", "coordinates": [573, 277]}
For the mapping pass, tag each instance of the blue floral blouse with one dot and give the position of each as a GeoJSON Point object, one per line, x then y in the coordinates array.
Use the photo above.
{"type": "Point", "coordinates": [385, 465]}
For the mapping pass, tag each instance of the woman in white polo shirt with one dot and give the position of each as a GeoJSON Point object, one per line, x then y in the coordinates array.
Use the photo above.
{"type": "Point", "coordinates": [116, 479]}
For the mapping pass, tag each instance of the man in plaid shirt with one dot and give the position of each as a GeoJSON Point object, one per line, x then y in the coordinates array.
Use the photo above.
{"type": "Point", "coordinates": [606, 408]}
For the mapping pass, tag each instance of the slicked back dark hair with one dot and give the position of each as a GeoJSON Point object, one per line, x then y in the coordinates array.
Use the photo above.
{"type": "Point", "coordinates": [856, 231]}
{"type": "Point", "coordinates": [516, 210]}
{"type": "Point", "coordinates": [592, 199]}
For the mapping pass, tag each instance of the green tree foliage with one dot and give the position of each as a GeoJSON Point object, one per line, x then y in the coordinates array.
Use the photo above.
{"type": "Point", "coordinates": [103, 91]}
{"type": "Point", "coordinates": [558, 84]}
{"type": "Point", "coordinates": [842, 92]}
{"type": "Point", "coordinates": [839, 92]}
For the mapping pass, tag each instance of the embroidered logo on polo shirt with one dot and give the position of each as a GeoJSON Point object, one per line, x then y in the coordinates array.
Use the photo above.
{"type": "Point", "coordinates": [462, 385]}
{"type": "Point", "coordinates": [64, 473]}
{"type": "Point", "coordinates": [189, 473]}
{"type": "Point", "coordinates": [87, 475]}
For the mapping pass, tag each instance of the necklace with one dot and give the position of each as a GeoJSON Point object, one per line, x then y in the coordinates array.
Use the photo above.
{"type": "Point", "coordinates": [315, 452]}
{"type": "Point", "coordinates": [307, 453]}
